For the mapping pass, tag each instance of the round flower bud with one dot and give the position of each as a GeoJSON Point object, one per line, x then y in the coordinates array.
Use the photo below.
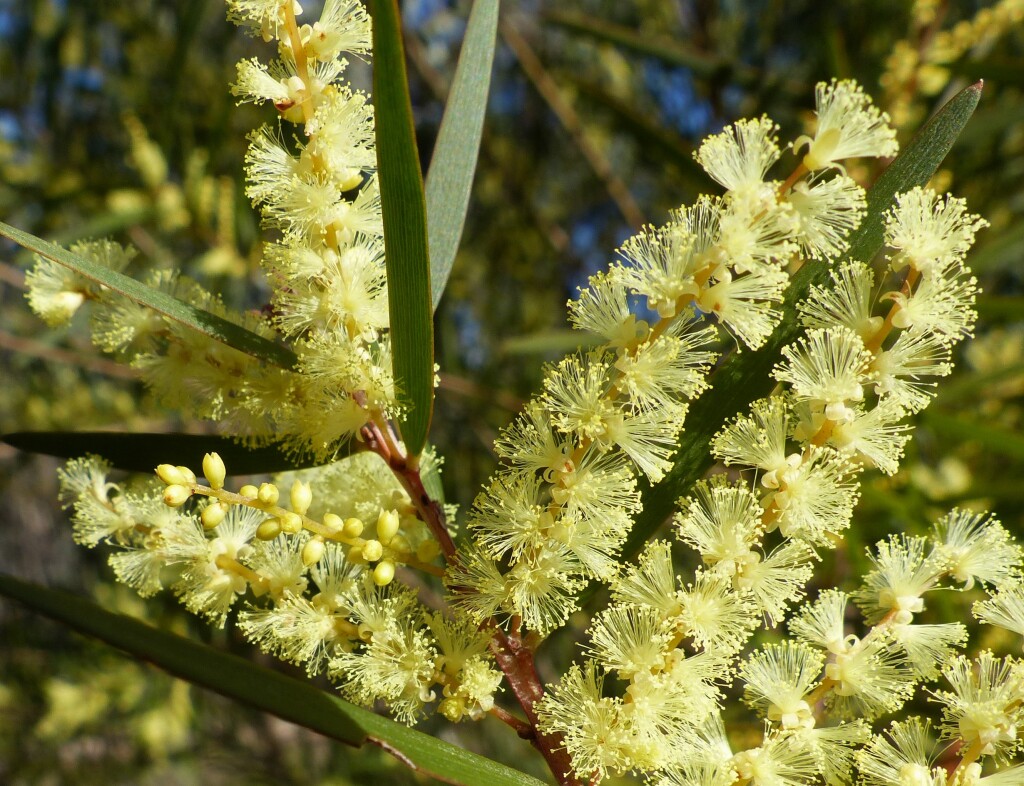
{"type": "Point", "coordinates": [355, 555]}
{"type": "Point", "coordinates": [400, 545]}
{"type": "Point", "coordinates": [190, 476]}
{"type": "Point", "coordinates": [334, 523]}
{"type": "Point", "coordinates": [312, 551]}
{"type": "Point", "coordinates": [302, 496]}
{"type": "Point", "coordinates": [214, 470]}
{"type": "Point", "coordinates": [269, 529]}
{"type": "Point", "coordinates": [353, 528]}
{"type": "Point", "coordinates": [384, 573]}
{"type": "Point", "coordinates": [171, 475]}
{"type": "Point", "coordinates": [176, 495]}
{"type": "Point", "coordinates": [213, 514]}
{"type": "Point", "coordinates": [291, 523]}
{"type": "Point", "coordinates": [268, 494]}
{"type": "Point", "coordinates": [452, 709]}
{"type": "Point", "coordinates": [387, 525]}
{"type": "Point", "coordinates": [372, 550]}
{"type": "Point", "coordinates": [248, 491]}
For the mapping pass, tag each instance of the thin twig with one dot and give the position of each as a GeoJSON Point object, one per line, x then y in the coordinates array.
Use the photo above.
{"type": "Point", "coordinates": [69, 357]}
{"type": "Point", "coordinates": [12, 276]}
{"type": "Point", "coordinates": [516, 662]}
{"type": "Point", "coordinates": [470, 389]}
{"type": "Point", "coordinates": [570, 120]}
{"type": "Point", "coordinates": [521, 727]}
{"type": "Point", "coordinates": [513, 658]}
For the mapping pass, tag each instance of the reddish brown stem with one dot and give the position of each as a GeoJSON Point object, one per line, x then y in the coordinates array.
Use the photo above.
{"type": "Point", "coordinates": [521, 727]}
{"type": "Point", "coordinates": [429, 509]}
{"type": "Point", "coordinates": [516, 661]}
{"type": "Point", "coordinates": [409, 476]}
{"type": "Point", "coordinates": [514, 658]}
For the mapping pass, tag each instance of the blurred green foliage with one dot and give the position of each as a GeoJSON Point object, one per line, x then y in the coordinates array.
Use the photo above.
{"type": "Point", "coordinates": [116, 120]}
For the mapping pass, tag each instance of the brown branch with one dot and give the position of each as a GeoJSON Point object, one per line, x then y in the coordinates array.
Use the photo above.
{"type": "Point", "coordinates": [516, 662]}
{"type": "Point", "coordinates": [83, 360]}
{"type": "Point", "coordinates": [408, 474]}
{"type": "Point", "coordinates": [521, 727]}
{"type": "Point", "coordinates": [570, 120]}
{"type": "Point", "coordinates": [514, 658]}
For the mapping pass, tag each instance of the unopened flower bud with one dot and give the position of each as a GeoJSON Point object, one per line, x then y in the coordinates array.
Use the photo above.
{"type": "Point", "coordinates": [213, 514]}
{"type": "Point", "coordinates": [268, 494]}
{"type": "Point", "coordinates": [387, 525]}
{"type": "Point", "coordinates": [214, 470]}
{"type": "Point", "coordinates": [171, 475]}
{"type": "Point", "coordinates": [353, 528]}
{"type": "Point", "coordinates": [400, 545]}
{"type": "Point", "coordinates": [384, 573]}
{"type": "Point", "coordinates": [312, 551]}
{"type": "Point", "coordinates": [334, 523]}
{"type": "Point", "coordinates": [189, 475]}
{"type": "Point", "coordinates": [452, 709]}
{"type": "Point", "coordinates": [176, 495]}
{"type": "Point", "coordinates": [355, 555]}
{"type": "Point", "coordinates": [269, 529]}
{"type": "Point", "coordinates": [302, 496]}
{"type": "Point", "coordinates": [291, 523]}
{"type": "Point", "coordinates": [372, 550]}
{"type": "Point", "coordinates": [248, 491]}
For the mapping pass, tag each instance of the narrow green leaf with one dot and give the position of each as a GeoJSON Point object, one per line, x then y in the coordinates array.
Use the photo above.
{"type": "Point", "coordinates": [288, 698]}
{"type": "Point", "coordinates": [999, 307]}
{"type": "Point", "coordinates": [142, 452]}
{"type": "Point", "coordinates": [432, 483]}
{"type": "Point", "coordinates": [204, 322]}
{"type": "Point", "coordinates": [100, 225]}
{"type": "Point", "coordinates": [450, 177]}
{"type": "Point", "coordinates": [974, 385]}
{"type": "Point", "coordinates": [556, 342]}
{"type": "Point", "coordinates": [405, 227]}
{"type": "Point", "coordinates": [746, 376]}
{"type": "Point", "coordinates": [994, 439]}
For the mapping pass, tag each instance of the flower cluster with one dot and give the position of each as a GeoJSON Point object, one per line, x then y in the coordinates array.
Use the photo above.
{"type": "Point", "coordinates": [845, 390]}
{"type": "Point", "coordinates": [920, 66]}
{"type": "Point", "coordinates": [675, 648]}
{"type": "Point", "coordinates": [558, 512]}
{"type": "Point", "coordinates": [315, 578]}
{"type": "Point", "coordinates": [327, 272]}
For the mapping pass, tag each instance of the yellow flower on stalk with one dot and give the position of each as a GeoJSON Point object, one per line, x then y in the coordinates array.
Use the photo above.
{"type": "Point", "coordinates": [849, 126]}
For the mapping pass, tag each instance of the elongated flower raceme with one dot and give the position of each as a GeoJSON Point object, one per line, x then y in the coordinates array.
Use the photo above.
{"type": "Point", "coordinates": [312, 174]}
{"type": "Point", "coordinates": [312, 568]}
{"type": "Point", "coordinates": [845, 390]}
{"type": "Point", "coordinates": [623, 404]}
